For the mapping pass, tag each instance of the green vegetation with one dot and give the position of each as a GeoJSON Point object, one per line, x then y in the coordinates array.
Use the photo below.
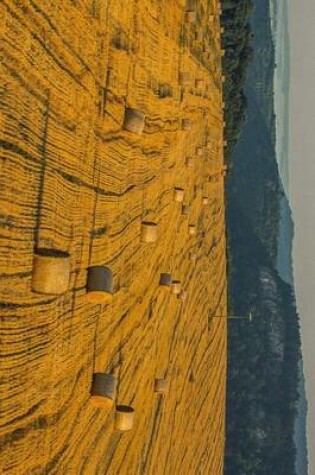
{"type": "Point", "coordinates": [238, 54]}
{"type": "Point", "coordinates": [263, 359]}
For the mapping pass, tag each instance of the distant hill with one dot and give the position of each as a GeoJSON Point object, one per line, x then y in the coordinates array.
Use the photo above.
{"type": "Point", "coordinates": [285, 241]}
{"type": "Point", "coordinates": [300, 425]}
{"type": "Point", "coordinates": [264, 356]}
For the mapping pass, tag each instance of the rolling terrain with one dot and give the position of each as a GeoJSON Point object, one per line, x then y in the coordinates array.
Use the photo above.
{"type": "Point", "coordinates": [73, 179]}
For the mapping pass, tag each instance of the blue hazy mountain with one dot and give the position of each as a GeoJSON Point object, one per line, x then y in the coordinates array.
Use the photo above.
{"type": "Point", "coordinates": [266, 405]}
{"type": "Point", "coordinates": [281, 38]}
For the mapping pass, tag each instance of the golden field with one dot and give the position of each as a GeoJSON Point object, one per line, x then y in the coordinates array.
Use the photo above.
{"type": "Point", "coordinates": [73, 179]}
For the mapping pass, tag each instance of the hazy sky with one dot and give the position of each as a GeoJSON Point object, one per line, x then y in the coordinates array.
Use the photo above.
{"type": "Point", "coordinates": [302, 187]}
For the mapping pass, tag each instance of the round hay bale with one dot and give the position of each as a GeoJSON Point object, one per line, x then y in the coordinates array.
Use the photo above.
{"type": "Point", "coordinates": [51, 271]}
{"type": "Point", "coordinates": [199, 83]}
{"type": "Point", "coordinates": [185, 210]}
{"type": "Point", "coordinates": [160, 385]}
{"type": "Point", "coordinates": [124, 418]}
{"type": "Point", "coordinates": [134, 121]}
{"type": "Point", "coordinates": [179, 194]}
{"type": "Point", "coordinates": [186, 124]}
{"type": "Point", "coordinates": [165, 280]}
{"type": "Point", "coordinates": [191, 16]}
{"type": "Point", "coordinates": [182, 295]}
{"type": "Point", "coordinates": [176, 287]}
{"type": "Point", "coordinates": [184, 78]}
{"type": "Point", "coordinates": [149, 232]}
{"type": "Point", "coordinates": [190, 162]}
{"type": "Point", "coordinates": [100, 285]}
{"type": "Point", "coordinates": [192, 230]}
{"type": "Point", "coordinates": [103, 390]}
{"type": "Point", "coordinates": [199, 151]}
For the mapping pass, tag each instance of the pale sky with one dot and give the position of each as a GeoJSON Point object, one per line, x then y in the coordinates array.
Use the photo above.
{"type": "Point", "coordinates": [302, 188]}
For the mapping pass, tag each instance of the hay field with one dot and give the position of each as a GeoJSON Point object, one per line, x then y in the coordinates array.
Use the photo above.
{"type": "Point", "coordinates": [72, 179]}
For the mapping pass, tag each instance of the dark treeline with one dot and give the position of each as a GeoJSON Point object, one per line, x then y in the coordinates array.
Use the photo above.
{"type": "Point", "coordinates": [263, 359]}
{"type": "Point", "coordinates": [237, 42]}
{"type": "Point", "coordinates": [263, 356]}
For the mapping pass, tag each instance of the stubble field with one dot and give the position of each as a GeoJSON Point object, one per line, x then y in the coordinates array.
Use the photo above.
{"type": "Point", "coordinates": [73, 179]}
